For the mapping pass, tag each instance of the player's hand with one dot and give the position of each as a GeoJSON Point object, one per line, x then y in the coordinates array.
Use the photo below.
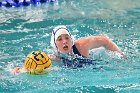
{"type": "Point", "coordinates": [16, 70]}
{"type": "Point", "coordinates": [52, 56]}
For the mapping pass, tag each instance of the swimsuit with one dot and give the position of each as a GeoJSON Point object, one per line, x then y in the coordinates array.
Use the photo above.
{"type": "Point", "coordinates": [75, 50]}
{"type": "Point", "coordinates": [77, 60]}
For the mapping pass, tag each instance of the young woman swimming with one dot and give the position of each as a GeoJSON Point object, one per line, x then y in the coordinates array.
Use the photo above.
{"type": "Point", "coordinates": [75, 53]}
{"type": "Point", "coordinates": [63, 43]}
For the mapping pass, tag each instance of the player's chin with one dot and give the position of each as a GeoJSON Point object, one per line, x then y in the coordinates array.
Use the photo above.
{"type": "Point", "coordinates": [66, 51]}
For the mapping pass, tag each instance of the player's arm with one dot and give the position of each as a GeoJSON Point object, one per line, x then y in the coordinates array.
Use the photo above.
{"type": "Point", "coordinates": [99, 41]}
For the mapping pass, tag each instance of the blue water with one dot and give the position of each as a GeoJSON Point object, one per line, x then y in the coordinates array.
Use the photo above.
{"type": "Point", "coordinates": [27, 29]}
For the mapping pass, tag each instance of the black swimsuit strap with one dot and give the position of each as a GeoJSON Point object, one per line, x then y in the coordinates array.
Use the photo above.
{"type": "Point", "coordinates": [75, 50]}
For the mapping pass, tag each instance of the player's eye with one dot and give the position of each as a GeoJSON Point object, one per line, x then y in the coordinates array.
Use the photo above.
{"type": "Point", "coordinates": [67, 37]}
{"type": "Point", "coordinates": [59, 38]}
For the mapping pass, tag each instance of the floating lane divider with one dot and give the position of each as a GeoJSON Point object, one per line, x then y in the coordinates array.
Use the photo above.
{"type": "Point", "coordinates": [18, 3]}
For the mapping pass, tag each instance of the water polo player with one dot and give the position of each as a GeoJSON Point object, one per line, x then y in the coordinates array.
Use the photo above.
{"type": "Point", "coordinates": [75, 54]}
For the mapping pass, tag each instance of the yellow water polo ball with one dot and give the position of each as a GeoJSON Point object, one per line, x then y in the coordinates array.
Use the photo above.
{"type": "Point", "coordinates": [36, 62]}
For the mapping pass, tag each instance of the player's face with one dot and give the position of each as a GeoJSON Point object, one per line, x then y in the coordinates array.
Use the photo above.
{"type": "Point", "coordinates": [64, 43]}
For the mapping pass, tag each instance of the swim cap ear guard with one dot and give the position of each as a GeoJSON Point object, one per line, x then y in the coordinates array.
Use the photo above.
{"type": "Point", "coordinates": [57, 32]}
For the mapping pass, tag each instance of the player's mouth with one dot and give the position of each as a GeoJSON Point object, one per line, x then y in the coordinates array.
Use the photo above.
{"type": "Point", "coordinates": [65, 47]}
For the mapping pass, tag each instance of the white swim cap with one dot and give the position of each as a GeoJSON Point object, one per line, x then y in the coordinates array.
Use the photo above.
{"type": "Point", "coordinates": [57, 31]}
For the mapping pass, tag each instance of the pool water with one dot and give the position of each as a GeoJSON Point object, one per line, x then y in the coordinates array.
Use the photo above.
{"type": "Point", "coordinates": [27, 29]}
